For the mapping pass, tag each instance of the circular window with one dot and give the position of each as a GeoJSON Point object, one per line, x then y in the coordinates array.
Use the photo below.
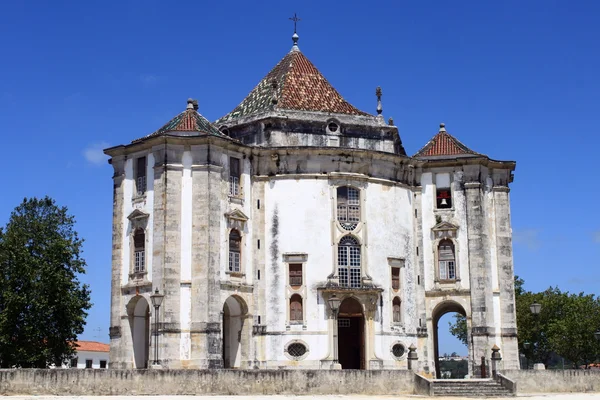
{"type": "Point", "coordinates": [296, 350]}
{"type": "Point", "coordinates": [333, 127]}
{"type": "Point", "coordinates": [398, 350]}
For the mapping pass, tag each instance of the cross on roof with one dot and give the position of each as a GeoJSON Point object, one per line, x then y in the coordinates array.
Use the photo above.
{"type": "Point", "coordinates": [295, 19]}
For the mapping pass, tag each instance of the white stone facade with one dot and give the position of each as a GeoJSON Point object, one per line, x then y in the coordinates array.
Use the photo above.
{"type": "Point", "coordinates": [235, 310]}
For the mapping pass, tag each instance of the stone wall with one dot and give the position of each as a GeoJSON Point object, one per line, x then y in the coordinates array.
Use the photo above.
{"type": "Point", "coordinates": [213, 382]}
{"type": "Point", "coordinates": [555, 381]}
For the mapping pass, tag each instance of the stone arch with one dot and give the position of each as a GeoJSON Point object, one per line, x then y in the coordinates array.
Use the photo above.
{"type": "Point", "coordinates": [235, 311]}
{"type": "Point", "coordinates": [445, 307]}
{"type": "Point", "coordinates": [138, 311]}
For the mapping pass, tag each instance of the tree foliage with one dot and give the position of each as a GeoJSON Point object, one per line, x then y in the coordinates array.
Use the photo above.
{"type": "Point", "coordinates": [42, 303]}
{"type": "Point", "coordinates": [564, 327]}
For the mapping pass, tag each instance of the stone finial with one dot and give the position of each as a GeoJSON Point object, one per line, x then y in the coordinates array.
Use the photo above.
{"type": "Point", "coordinates": [391, 121]}
{"type": "Point", "coordinates": [378, 94]}
{"type": "Point", "coordinates": [190, 103]}
{"type": "Point", "coordinates": [442, 127]}
{"type": "Point", "coordinates": [195, 104]}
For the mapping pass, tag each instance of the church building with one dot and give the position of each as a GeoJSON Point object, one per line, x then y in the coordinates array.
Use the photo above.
{"type": "Point", "coordinates": [295, 232]}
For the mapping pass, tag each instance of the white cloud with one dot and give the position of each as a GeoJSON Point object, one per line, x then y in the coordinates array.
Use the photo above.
{"type": "Point", "coordinates": [528, 238]}
{"type": "Point", "coordinates": [148, 79]}
{"type": "Point", "coordinates": [94, 155]}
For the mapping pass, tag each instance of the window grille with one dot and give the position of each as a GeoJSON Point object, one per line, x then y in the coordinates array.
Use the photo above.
{"type": "Point", "coordinates": [234, 251]}
{"type": "Point", "coordinates": [348, 207]}
{"type": "Point", "coordinates": [398, 350]}
{"type": "Point", "coordinates": [446, 259]}
{"type": "Point", "coordinates": [102, 363]}
{"type": "Point", "coordinates": [88, 363]}
{"type": "Point", "coordinates": [395, 278]}
{"type": "Point", "coordinates": [74, 362]}
{"type": "Point", "coordinates": [296, 350]}
{"type": "Point", "coordinates": [344, 322]}
{"type": "Point", "coordinates": [295, 276]}
{"type": "Point", "coordinates": [349, 272]}
{"type": "Point", "coordinates": [234, 176]}
{"type": "Point", "coordinates": [139, 245]}
{"type": "Point", "coordinates": [140, 176]}
{"type": "Point", "coordinates": [296, 309]}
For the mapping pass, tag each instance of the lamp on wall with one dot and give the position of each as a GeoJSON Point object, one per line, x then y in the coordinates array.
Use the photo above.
{"type": "Point", "coordinates": [334, 305]}
{"type": "Point", "coordinates": [156, 299]}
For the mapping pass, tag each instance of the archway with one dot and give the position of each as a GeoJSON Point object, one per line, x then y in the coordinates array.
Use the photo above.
{"type": "Point", "coordinates": [351, 334]}
{"type": "Point", "coordinates": [234, 312]}
{"type": "Point", "coordinates": [439, 311]}
{"type": "Point", "coordinates": [139, 323]}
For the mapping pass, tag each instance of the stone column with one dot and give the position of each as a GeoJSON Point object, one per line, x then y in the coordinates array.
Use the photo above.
{"type": "Point", "coordinates": [508, 332]}
{"type": "Point", "coordinates": [118, 354]}
{"type": "Point", "coordinates": [479, 265]}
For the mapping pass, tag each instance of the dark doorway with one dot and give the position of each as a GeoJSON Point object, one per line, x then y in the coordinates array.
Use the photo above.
{"type": "Point", "coordinates": [439, 311]}
{"type": "Point", "coordinates": [351, 343]}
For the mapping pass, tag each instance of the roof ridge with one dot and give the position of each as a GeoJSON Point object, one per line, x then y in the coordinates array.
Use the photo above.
{"type": "Point", "coordinates": [444, 144]}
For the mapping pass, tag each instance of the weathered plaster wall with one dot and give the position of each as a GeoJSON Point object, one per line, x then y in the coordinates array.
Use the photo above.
{"type": "Point", "coordinates": [197, 382]}
{"type": "Point", "coordinates": [554, 381]}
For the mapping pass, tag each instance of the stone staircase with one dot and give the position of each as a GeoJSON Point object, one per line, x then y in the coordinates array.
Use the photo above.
{"type": "Point", "coordinates": [480, 388]}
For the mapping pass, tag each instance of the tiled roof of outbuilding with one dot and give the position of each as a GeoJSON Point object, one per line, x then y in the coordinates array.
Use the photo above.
{"type": "Point", "coordinates": [84, 345]}
{"type": "Point", "coordinates": [188, 121]}
{"type": "Point", "coordinates": [444, 144]}
{"type": "Point", "coordinates": [294, 84]}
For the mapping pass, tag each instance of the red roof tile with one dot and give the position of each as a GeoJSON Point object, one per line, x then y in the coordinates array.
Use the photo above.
{"type": "Point", "coordinates": [444, 144]}
{"type": "Point", "coordinates": [84, 345]}
{"type": "Point", "coordinates": [294, 84]}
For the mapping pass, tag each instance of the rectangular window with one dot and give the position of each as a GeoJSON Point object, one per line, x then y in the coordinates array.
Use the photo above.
{"type": "Point", "coordinates": [88, 363]}
{"type": "Point", "coordinates": [447, 270]}
{"type": "Point", "coordinates": [444, 198]}
{"type": "Point", "coordinates": [234, 176]}
{"type": "Point", "coordinates": [74, 362]}
{"type": "Point", "coordinates": [140, 176]}
{"type": "Point", "coordinates": [102, 363]}
{"type": "Point", "coordinates": [234, 261]}
{"type": "Point", "coordinates": [295, 275]}
{"type": "Point", "coordinates": [395, 278]}
{"type": "Point", "coordinates": [140, 260]}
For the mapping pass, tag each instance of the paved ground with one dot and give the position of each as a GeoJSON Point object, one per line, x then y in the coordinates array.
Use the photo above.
{"type": "Point", "coordinates": [566, 396]}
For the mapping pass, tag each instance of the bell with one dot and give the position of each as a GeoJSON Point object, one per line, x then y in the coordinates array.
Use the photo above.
{"type": "Point", "coordinates": [444, 202]}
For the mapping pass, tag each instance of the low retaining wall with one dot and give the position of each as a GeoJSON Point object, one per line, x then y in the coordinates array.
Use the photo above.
{"type": "Point", "coordinates": [190, 382]}
{"type": "Point", "coordinates": [554, 381]}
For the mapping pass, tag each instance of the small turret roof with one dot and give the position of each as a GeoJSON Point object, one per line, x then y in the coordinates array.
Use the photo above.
{"type": "Point", "coordinates": [190, 121]}
{"type": "Point", "coordinates": [293, 84]}
{"type": "Point", "coordinates": [444, 144]}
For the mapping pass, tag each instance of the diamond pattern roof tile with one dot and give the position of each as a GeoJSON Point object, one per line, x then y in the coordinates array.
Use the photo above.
{"type": "Point", "coordinates": [444, 144]}
{"type": "Point", "coordinates": [293, 84]}
{"type": "Point", "coordinates": [188, 121]}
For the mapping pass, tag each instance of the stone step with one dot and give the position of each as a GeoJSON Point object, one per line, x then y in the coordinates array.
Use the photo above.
{"type": "Point", "coordinates": [470, 388]}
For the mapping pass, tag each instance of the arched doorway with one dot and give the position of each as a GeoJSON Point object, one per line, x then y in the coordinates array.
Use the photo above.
{"type": "Point", "coordinates": [439, 311]}
{"type": "Point", "coordinates": [234, 312]}
{"type": "Point", "coordinates": [351, 334]}
{"type": "Point", "coordinates": [139, 323]}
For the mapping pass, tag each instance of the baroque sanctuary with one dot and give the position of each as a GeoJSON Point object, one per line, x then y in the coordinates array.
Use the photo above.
{"type": "Point", "coordinates": [295, 232]}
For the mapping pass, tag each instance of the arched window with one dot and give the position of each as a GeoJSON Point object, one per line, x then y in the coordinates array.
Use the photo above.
{"type": "Point", "coordinates": [349, 262]}
{"type": "Point", "coordinates": [296, 308]}
{"type": "Point", "coordinates": [235, 247]}
{"type": "Point", "coordinates": [139, 250]}
{"type": "Point", "coordinates": [348, 207]}
{"type": "Point", "coordinates": [446, 260]}
{"type": "Point", "coordinates": [396, 314]}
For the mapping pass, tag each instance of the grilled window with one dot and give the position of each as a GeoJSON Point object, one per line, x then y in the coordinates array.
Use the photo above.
{"type": "Point", "coordinates": [234, 176]}
{"type": "Point", "coordinates": [396, 307]}
{"type": "Point", "coordinates": [395, 278]}
{"type": "Point", "coordinates": [348, 207]}
{"type": "Point", "coordinates": [140, 176]}
{"type": "Point", "coordinates": [102, 363]}
{"type": "Point", "coordinates": [235, 247]}
{"type": "Point", "coordinates": [295, 271]}
{"type": "Point", "coordinates": [74, 362]}
{"type": "Point", "coordinates": [139, 246]}
{"type": "Point", "coordinates": [349, 262]}
{"type": "Point", "coordinates": [444, 198]}
{"type": "Point", "coordinates": [88, 363]}
{"type": "Point", "coordinates": [296, 308]}
{"type": "Point", "coordinates": [446, 260]}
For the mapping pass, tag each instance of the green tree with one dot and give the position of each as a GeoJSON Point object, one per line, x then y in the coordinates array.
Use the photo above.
{"type": "Point", "coordinates": [458, 328]}
{"type": "Point", "coordinates": [42, 303]}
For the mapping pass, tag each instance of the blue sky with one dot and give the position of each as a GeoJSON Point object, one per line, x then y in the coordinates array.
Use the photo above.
{"type": "Point", "coordinates": [515, 80]}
